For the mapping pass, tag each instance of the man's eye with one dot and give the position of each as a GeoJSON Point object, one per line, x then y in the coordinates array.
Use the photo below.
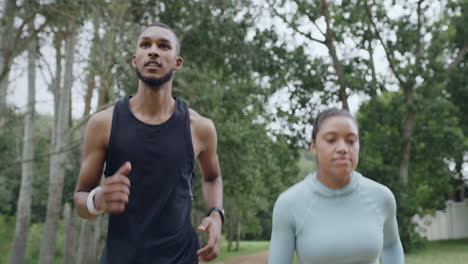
{"type": "Point", "coordinates": [330, 140]}
{"type": "Point", "coordinates": [145, 44]}
{"type": "Point", "coordinates": [164, 46]}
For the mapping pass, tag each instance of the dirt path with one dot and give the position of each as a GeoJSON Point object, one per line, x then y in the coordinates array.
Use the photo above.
{"type": "Point", "coordinates": [257, 258]}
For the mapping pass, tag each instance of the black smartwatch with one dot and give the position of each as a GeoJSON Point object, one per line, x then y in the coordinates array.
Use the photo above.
{"type": "Point", "coordinates": [220, 210]}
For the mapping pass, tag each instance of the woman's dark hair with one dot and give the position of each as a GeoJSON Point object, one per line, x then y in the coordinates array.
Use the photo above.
{"type": "Point", "coordinates": [324, 115]}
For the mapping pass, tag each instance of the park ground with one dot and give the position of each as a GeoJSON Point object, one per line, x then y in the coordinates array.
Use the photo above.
{"type": "Point", "coordinates": [436, 252]}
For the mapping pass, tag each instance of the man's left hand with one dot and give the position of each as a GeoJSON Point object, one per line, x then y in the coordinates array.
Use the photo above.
{"type": "Point", "coordinates": [212, 225]}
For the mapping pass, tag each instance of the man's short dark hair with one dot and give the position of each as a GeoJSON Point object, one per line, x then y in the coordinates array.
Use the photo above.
{"type": "Point", "coordinates": [158, 24]}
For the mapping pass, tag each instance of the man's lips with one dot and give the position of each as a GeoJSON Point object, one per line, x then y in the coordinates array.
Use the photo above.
{"type": "Point", "coordinates": [153, 64]}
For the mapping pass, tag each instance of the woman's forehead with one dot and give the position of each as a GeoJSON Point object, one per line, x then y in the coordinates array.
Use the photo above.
{"type": "Point", "coordinates": [338, 124]}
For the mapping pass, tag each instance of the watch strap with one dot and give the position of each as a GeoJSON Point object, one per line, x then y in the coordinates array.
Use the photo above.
{"type": "Point", "coordinates": [220, 210]}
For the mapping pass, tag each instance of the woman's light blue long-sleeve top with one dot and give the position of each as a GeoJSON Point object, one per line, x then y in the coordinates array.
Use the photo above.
{"type": "Point", "coordinates": [352, 225]}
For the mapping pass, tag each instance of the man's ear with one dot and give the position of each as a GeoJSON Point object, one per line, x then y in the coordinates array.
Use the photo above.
{"type": "Point", "coordinates": [179, 62]}
{"type": "Point", "coordinates": [134, 61]}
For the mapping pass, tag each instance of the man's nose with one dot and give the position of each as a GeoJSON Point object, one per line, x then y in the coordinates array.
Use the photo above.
{"type": "Point", "coordinates": [153, 51]}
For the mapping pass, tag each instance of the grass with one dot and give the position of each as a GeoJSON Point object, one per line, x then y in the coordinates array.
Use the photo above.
{"type": "Point", "coordinates": [436, 252]}
{"type": "Point", "coordinates": [441, 252]}
{"type": "Point", "coordinates": [245, 248]}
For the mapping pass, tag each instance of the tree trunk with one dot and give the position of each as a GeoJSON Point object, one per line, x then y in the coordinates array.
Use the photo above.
{"type": "Point", "coordinates": [230, 234]}
{"type": "Point", "coordinates": [101, 235]}
{"type": "Point", "coordinates": [3, 94]}
{"type": "Point", "coordinates": [408, 128]}
{"type": "Point", "coordinates": [58, 157]}
{"type": "Point", "coordinates": [336, 62]}
{"type": "Point", "coordinates": [23, 212]}
{"type": "Point", "coordinates": [90, 79]}
{"type": "Point", "coordinates": [375, 87]}
{"type": "Point", "coordinates": [70, 232]}
{"type": "Point", "coordinates": [408, 92]}
{"type": "Point", "coordinates": [92, 239]}
{"type": "Point", "coordinates": [238, 237]}
{"type": "Point", "coordinates": [56, 83]}
{"type": "Point", "coordinates": [87, 249]}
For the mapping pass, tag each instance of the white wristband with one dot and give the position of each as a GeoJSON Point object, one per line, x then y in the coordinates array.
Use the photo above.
{"type": "Point", "coordinates": [90, 202]}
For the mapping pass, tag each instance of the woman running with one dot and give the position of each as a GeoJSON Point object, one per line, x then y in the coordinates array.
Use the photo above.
{"type": "Point", "coordinates": [336, 215]}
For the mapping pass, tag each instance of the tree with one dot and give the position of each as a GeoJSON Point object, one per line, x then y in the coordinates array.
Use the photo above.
{"type": "Point", "coordinates": [23, 214]}
{"type": "Point", "coordinates": [456, 79]}
{"type": "Point", "coordinates": [13, 43]}
{"type": "Point", "coordinates": [59, 152]}
{"type": "Point", "coordinates": [437, 134]}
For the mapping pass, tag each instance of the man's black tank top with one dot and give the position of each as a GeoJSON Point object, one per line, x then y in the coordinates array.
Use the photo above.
{"type": "Point", "coordinates": [155, 226]}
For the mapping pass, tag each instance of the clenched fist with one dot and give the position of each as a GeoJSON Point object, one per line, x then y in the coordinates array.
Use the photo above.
{"type": "Point", "coordinates": [115, 191]}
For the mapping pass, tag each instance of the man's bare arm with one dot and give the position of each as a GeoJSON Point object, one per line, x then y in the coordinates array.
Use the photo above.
{"type": "Point", "coordinates": [209, 164]}
{"type": "Point", "coordinates": [95, 143]}
{"type": "Point", "coordinates": [212, 188]}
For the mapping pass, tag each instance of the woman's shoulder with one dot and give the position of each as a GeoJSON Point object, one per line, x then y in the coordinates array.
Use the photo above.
{"type": "Point", "coordinates": [293, 195]}
{"type": "Point", "coordinates": [377, 191]}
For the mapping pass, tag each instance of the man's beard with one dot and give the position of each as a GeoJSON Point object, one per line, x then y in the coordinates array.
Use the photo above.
{"type": "Point", "coordinates": [152, 81]}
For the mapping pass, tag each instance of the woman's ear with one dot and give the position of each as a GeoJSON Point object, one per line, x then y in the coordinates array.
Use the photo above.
{"type": "Point", "coordinates": [313, 147]}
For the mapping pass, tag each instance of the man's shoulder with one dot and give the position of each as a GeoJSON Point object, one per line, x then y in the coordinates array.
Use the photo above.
{"type": "Point", "coordinates": [99, 126]}
{"type": "Point", "coordinates": [103, 117]}
{"type": "Point", "coordinates": [200, 123]}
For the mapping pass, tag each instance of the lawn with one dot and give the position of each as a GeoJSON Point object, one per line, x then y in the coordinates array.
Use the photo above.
{"type": "Point", "coordinates": [441, 252]}
{"type": "Point", "coordinates": [245, 248]}
{"type": "Point", "coordinates": [436, 252]}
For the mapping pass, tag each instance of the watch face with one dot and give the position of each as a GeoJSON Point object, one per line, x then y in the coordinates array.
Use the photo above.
{"type": "Point", "coordinates": [220, 210]}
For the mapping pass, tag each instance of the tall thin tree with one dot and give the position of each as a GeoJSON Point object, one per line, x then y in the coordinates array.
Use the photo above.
{"type": "Point", "coordinates": [59, 153]}
{"type": "Point", "coordinates": [23, 212]}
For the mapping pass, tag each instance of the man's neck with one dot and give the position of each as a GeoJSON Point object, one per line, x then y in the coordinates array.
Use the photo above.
{"type": "Point", "coordinates": [153, 105]}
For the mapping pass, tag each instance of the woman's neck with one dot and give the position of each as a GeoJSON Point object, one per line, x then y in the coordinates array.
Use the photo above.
{"type": "Point", "coordinates": [333, 181]}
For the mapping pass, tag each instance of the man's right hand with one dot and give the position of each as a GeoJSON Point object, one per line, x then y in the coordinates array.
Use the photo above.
{"type": "Point", "coordinates": [115, 191]}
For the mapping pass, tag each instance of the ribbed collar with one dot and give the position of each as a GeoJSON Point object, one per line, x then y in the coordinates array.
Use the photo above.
{"type": "Point", "coordinates": [322, 190]}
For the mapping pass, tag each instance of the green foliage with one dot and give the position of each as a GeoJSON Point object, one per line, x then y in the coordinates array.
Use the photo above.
{"type": "Point", "coordinates": [436, 139]}
{"type": "Point", "coordinates": [10, 169]}
{"type": "Point", "coordinates": [7, 228]}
